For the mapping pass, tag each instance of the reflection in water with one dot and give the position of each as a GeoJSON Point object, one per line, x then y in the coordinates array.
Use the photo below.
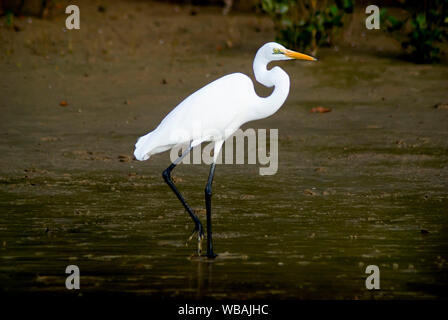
{"type": "Point", "coordinates": [204, 282]}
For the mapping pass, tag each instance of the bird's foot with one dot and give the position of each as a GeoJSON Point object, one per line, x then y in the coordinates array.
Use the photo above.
{"type": "Point", "coordinates": [211, 255]}
{"type": "Point", "coordinates": [200, 233]}
{"type": "Point", "coordinates": [195, 231]}
{"type": "Point", "coordinates": [200, 238]}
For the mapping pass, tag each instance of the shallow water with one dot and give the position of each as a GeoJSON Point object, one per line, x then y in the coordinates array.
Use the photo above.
{"type": "Point", "coordinates": [334, 207]}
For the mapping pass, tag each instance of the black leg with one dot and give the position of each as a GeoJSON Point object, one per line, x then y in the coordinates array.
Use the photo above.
{"type": "Point", "coordinates": [208, 206]}
{"type": "Point", "coordinates": [167, 177]}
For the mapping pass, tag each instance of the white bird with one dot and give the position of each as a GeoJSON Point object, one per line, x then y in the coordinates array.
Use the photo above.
{"type": "Point", "coordinates": [214, 113]}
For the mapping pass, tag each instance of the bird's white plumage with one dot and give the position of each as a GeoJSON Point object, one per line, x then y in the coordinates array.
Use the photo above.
{"type": "Point", "coordinates": [200, 116]}
{"type": "Point", "coordinates": [217, 110]}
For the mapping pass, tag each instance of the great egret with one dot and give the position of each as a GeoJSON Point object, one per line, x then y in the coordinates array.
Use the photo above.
{"type": "Point", "coordinates": [214, 113]}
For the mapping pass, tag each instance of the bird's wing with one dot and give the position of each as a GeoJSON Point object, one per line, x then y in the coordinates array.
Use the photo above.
{"type": "Point", "coordinates": [212, 109]}
{"type": "Point", "coordinates": [213, 112]}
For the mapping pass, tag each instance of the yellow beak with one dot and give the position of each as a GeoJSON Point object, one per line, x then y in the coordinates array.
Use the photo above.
{"type": "Point", "coordinates": [297, 55]}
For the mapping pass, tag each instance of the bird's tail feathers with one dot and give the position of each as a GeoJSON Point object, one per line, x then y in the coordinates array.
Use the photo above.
{"type": "Point", "coordinates": [143, 147]}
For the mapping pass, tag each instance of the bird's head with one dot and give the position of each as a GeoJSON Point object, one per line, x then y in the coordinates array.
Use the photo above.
{"type": "Point", "coordinates": [273, 51]}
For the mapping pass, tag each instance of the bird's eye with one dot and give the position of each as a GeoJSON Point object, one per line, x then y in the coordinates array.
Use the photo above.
{"type": "Point", "coordinates": [277, 51]}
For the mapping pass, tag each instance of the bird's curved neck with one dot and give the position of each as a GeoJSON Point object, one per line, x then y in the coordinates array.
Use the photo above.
{"type": "Point", "coordinates": [276, 78]}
